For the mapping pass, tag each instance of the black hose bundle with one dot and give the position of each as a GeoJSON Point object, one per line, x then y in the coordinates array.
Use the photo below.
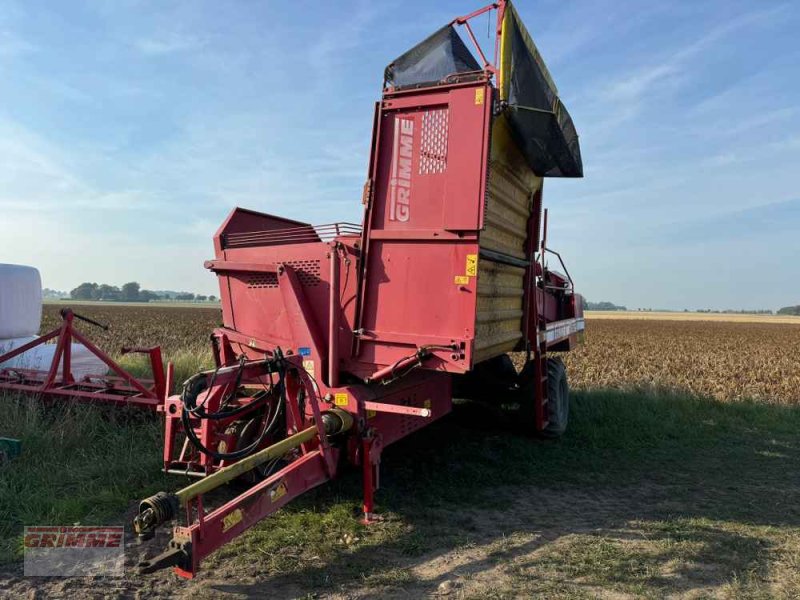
{"type": "Point", "coordinates": [197, 384]}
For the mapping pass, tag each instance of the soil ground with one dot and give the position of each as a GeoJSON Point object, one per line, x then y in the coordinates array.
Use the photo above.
{"type": "Point", "coordinates": [648, 495]}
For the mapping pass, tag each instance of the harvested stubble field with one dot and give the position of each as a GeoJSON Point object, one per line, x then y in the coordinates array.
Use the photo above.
{"type": "Point", "coordinates": [679, 477]}
{"type": "Point", "coordinates": [727, 357]}
{"type": "Point", "coordinates": [727, 360]}
{"type": "Point", "coordinates": [177, 329]}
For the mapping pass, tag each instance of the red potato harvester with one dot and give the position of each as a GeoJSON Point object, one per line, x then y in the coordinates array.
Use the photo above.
{"type": "Point", "coordinates": [341, 339]}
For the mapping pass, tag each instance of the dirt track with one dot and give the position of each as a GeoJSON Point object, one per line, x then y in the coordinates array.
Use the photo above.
{"type": "Point", "coordinates": [536, 522]}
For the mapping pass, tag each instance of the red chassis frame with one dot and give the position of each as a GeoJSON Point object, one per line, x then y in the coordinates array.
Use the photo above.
{"type": "Point", "coordinates": [310, 464]}
{"type": "Point", "coordinates": [119, 389]}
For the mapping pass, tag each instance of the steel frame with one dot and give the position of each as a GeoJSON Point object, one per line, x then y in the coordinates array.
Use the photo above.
{"type": "Point", "coordinates": [121, 389]}
{"type": "Point", "coordinates": [381, 418]}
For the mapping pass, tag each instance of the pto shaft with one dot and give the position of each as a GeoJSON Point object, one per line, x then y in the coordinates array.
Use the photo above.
{"type": "Point", "coordinates": [163, 507]}
{"type": "Point", "coordinates": [244, 465]}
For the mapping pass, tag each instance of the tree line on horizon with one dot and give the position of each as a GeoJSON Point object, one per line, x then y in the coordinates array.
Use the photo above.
{"type": "Point", "coordinates": [788, 310]}
{"type": "Point", "coordinates": [600, 305]}
{"type": "Point", "coordinates": [130, 292]}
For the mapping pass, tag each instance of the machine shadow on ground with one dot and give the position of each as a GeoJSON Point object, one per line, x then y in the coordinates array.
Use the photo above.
{"type": "Point", "coordinates": [648, 493]}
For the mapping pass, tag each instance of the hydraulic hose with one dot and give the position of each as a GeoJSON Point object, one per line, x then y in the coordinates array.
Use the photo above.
{"type": "Point", "coordinates": [193, 387]}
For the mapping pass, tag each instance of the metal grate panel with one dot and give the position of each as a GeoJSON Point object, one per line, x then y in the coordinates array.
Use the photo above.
{"type": "Point", "coordinates": [433, 145]}
{"type": "Point", "coordinates": [308, 273]}
{"type": "Point", "coordinates": [264, 280]}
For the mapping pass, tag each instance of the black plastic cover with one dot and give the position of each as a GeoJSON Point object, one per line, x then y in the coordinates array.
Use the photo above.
{"type": "Point", "coordinates": [539, 121]}
{"type": "Point", "coordinates": [431, 61]}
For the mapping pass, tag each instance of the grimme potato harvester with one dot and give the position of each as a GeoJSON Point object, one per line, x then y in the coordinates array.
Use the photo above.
{"type": "Point", "coordinates": [340, 339]}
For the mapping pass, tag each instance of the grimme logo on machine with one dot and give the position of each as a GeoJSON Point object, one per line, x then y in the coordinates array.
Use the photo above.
{"type": "Point", "coordinates": [68, 551]}
{"type": "Point", "coordinates": [400, 181]}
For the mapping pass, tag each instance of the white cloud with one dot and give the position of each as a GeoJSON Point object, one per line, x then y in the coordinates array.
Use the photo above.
{"type": "Point", "coordinates": [633, 87]}
{"type": "Point", "coordinates": [169, 43]}
{"type": "Point", "coordinates": [37, 176]}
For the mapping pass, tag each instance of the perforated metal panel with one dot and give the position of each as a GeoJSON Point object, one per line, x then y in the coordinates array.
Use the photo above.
{"type": "Point", "coordinates": [433, 142]}
{"type": "Point", "coordinates": [264, 280]}
{"type": "Point", "coordinates": [308, 272]}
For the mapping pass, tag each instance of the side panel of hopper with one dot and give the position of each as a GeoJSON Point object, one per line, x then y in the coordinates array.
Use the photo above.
{"type": "Point", "coordinates": [509, 202]}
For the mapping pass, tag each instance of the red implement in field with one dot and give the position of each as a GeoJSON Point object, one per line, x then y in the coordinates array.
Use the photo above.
{"type": "Point", "coordinates": [341, 339]}
{"type": "Point", "coordinates": [58, 382]}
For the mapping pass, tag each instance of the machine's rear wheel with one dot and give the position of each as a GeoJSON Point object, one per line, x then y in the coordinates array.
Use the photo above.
{"type": "Point", "coordinates": [558, 399]}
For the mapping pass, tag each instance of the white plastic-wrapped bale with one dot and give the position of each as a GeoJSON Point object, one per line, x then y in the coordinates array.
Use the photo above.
{"type": "Point", "coordinates": [20, 301]}
{"type": "Point", "coordinates": [39, 358]}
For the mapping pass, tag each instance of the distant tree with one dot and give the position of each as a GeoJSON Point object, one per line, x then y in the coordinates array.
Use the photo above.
{"type": "Point", "coordinates": [184, 296]}
{"type": "Point", "coordinates": [85, 291]}
{"type": "Point", "coordinates": [604, 306]}
{"type": "Point", "coordinates": [147, 296]}
{"type": "Point", "coordinates": [108, 292]}
{"type": "Point", "coordinates": [212, 298]}
{"type": "Point", "coordinates": [48, 293]}
{"type": "Point", "coordinates": [200, 298]}
{"type": "Point", "coordinates": [789, 310]}
{"type": "Point", "coordinates": [130, 292]}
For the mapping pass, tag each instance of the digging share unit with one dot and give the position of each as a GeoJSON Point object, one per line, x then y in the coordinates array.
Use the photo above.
{"type": "Point", "coordinates": [341, 339]}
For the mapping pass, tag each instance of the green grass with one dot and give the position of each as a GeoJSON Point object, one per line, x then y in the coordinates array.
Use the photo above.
{"type": "Point", "coordinates": [79, 464]}
{"type": "Point", "coordinates": [648, 493]}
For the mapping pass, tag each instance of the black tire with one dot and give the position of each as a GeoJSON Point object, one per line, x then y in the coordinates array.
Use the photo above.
{"type": "Point", "coordinates": [558, 399]}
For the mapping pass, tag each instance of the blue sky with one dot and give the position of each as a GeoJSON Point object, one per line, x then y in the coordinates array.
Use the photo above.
{"type": "Point", "coordinates": [129, 129]}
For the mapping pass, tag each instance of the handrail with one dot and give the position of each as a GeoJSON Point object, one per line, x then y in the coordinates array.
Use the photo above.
{"type": "Point", "coordinates": [291, 235]}
{"type": "Point", "coordinates": [563, 266]}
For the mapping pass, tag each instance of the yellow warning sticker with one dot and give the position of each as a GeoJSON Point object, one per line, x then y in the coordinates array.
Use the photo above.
{"type": "Point", "coordinates": [278, 492]}
{"type": "Point", "coordinates": [308, 365]}
{"type": "Point", "coordinates": [371, 413]}
{"type": "Point", "coordinates": [461, 280]}
{"type": "Point", "coordinates": [427, 404]}
{"type": "Point", "coordinates": [472, 265]}
{"type": "Point", "coordinates": [232, 519]}
{"type": "Point", "coordinates": [479, 96]}
{"type": "Point", "coordinates": [341, 399]}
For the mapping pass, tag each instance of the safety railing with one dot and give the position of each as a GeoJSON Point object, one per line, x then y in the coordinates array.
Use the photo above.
{"type": "Point", "coordinates": [292, 235]}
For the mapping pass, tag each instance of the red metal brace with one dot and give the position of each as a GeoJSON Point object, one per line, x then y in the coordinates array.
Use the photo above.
{"type": "Point", "coordinates": [371, 447]}
{"type": "Point", "coordinates": [122, 388]}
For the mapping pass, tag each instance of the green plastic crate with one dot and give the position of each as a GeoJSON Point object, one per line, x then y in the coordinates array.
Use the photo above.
{"type": "Point", "coordinates": [9, 449]}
